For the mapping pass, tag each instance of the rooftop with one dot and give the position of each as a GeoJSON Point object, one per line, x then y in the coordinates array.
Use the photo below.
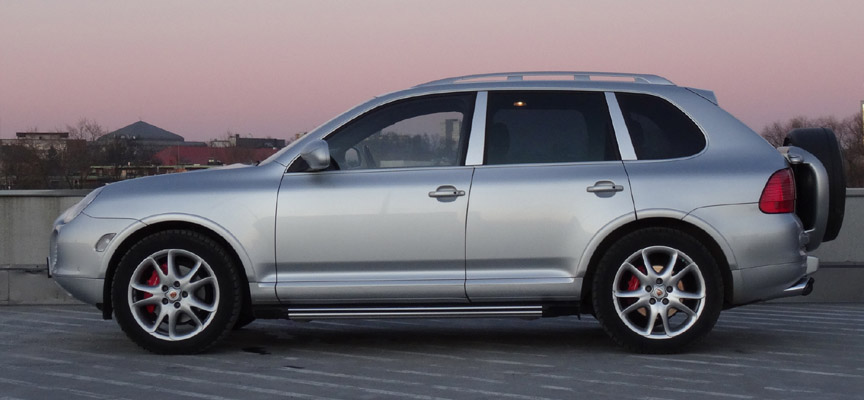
{"type": "Point", "coordinates": [144, 132]}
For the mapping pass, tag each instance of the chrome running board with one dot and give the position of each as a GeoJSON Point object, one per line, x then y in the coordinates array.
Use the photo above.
{"type": "Point", "coordinates": [416, 312]}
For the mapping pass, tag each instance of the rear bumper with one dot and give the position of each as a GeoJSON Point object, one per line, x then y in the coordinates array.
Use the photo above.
{"type": "Point", "coordinates": [775, 281]}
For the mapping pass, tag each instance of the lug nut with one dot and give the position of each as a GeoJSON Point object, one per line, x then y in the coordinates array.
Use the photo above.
{"type": "Point", "coordinates": [652, 301]}
{"type": "Point", "coordinates": [164, 301]}
{"type": "Point", "coordinates": [648, 288]}
{"type": "Point", "coordinates": [669, 289]}
{"type": "Point", "coordinates": [184, 294]}
{"type": "Point", "coordinates": [659, 281]}
{"type": "Point", "coordinates": [665, 301]}
{"type": "Point", "coordinates": [176, 284]}
{"type": "Point", "coordinates": [164, 288]}
{"type": "Point", "coordinates": [176, 305]}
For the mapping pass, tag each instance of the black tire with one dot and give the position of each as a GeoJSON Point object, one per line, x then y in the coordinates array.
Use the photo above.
{"type": "Point", "coordinates": [822, 143]}
{"type": "Point", "coordinates": [204, 309]}
{"type": "Point", "coordinates": [245, 318]}
{"type": "Point", "coordinates": [631, 328]}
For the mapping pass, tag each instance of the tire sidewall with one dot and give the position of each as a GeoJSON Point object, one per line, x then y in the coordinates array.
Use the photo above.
{"type": "Point", "coordinates": [619, 252]}
{"type": "Point", "coordinates": [224, 270]}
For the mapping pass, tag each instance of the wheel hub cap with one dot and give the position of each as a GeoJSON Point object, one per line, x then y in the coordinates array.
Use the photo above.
{"type": "Point", "coordinates": [173, 294]}
{"type": "Point", "coordinates": [659, 292]}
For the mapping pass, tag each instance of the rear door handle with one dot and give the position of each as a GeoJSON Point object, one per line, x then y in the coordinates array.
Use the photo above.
{"type": "Point", "coordinates": [605, 187]}
{"type": "Point", "coordinates": [446, 191]}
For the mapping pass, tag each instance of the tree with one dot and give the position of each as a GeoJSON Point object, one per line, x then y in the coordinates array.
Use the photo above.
{"type": "Point", "coordinates": [80, 152]}
{"type": "Point", "coordinates": [849, 134]}
{"type": "Point", "coordinates": [22, 167]}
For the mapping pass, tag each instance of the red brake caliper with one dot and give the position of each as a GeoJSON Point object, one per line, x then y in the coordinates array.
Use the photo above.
{"type": "Point", "coordinates": [633, 283]}
{"type": "Point", "coordinates": [154, 281]}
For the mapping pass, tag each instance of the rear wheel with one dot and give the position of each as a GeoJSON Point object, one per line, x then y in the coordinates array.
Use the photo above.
{"type": "Point", "coordinates": [657, 290]}
{"type": "Point", "coordinates": [176, 292]}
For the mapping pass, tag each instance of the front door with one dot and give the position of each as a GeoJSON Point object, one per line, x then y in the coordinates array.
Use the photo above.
{"type": "Point", "coordinates": [387, 222]}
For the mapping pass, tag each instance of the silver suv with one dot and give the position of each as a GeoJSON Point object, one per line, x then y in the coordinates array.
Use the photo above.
{"type": "Point", "coordinates": [514, 194]}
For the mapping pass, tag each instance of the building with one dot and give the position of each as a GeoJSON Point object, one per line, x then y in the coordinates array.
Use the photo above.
{"type": "Point", "coordinates": [40, 141]}
{"type": "Point", "coordinates": [248, 142]}
{"type": "Point", "coordinates": [143, 132]}
{"type": "Point", "coordinates": [147, 135]}
{"type": "Point", "coordinates": [203, 156]}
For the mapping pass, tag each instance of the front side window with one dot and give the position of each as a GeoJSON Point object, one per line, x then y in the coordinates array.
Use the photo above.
{"type": "Point", "coordinates": [658, 129]}
{"type": "Point", "coordinates": [548, 127]}
{"type": "Point", "coordinates": [423, 132]}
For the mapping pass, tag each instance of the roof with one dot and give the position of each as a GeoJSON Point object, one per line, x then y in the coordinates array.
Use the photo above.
{"type": "Point", "coordinates": [552, 76]}
{"type": "Point", "coordinates": [144, 132]}
{"type": "Point", "coordinates": [203, 155]}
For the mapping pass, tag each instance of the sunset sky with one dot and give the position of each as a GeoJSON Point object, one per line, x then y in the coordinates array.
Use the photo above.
{"type": "Point", "coordinates": [275, 68]}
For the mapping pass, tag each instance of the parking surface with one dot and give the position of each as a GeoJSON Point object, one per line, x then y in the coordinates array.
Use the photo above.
{"type": "Point", "coordinates": [777, 351]}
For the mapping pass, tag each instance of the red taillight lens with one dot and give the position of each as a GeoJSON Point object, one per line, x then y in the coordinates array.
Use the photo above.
{"type": "Point", "coordinates": [779, 193]}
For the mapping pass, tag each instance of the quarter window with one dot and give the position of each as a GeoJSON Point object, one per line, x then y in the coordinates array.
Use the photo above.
{"type": "Point", "coordinates": [424, 132]}
{"type": "Point", "coordinates": [548, 127]}
{"type": "Point", "coordinates": [658, 129]}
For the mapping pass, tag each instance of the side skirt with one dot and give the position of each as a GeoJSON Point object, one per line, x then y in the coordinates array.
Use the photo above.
{"type": "Point", "coordinates": [457, 311]}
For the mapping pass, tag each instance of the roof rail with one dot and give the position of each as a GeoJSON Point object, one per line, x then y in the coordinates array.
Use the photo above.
{"type": "Point", "coordinates": [553, 75]}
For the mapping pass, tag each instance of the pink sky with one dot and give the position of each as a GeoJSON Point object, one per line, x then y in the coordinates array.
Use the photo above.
{"type": "Point", "coordinates": [275, 68]}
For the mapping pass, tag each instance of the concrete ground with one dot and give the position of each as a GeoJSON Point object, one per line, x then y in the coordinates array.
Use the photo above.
{"type": "Point", "coordinates": [763, 351]}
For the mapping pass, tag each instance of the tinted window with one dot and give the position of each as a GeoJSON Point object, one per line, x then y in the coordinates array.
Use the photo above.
{"type": "Point", "coordinates": [548, 127]}
{"type": "Point", "coordinates": [658, 129]}
{"type": "Point", "coordinates": [423, 132]}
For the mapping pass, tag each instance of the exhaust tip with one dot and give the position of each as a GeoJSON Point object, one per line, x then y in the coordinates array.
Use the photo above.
{"type": "Point", "coordinates": [809, 288]}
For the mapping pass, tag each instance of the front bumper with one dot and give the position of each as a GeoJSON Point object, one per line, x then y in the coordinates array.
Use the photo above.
{"type": "Point", "coordinates": [74, 262]}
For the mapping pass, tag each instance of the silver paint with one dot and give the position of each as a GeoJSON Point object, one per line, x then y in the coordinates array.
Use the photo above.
{"type": "Point", "coordinates": [519, 232]}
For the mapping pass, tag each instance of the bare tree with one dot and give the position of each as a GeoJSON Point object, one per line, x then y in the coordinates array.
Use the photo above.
{"type": "Point", "coordinates": [81, 151]}
{"type": "Point", "coordinates": [849, 135]}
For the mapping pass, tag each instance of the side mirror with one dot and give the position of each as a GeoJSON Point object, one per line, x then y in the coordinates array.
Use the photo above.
{"type": "Point", "coordinates": [316, 155]}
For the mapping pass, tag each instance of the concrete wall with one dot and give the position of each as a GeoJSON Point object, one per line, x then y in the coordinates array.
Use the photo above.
{"type": "Point", "coordinates": [26, 218]}
{"type": "Point", "coordinates": [848, 248]}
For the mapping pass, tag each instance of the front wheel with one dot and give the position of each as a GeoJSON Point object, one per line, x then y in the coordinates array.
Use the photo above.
{"type": "Point", "coordinates": [657, 290]}
{"type": "Point", "coordinates": [176, 292]}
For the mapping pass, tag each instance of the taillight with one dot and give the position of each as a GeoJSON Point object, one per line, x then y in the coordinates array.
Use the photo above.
{"type": "Point", "coordinates": [779, 193]}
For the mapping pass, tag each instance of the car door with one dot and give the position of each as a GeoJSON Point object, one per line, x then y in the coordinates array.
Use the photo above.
{"type": "Point", "coordinates": [386, 223]}
{"type": "Point", "coordinates": [551, 178]}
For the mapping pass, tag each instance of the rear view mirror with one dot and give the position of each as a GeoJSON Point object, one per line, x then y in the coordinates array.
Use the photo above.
{"type": "Point", "coordinates": [316, 155]}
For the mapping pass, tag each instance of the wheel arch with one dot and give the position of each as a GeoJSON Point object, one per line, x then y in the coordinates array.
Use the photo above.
{"type": "Point", "coordinates": [721, 253]}
{"type": "Point", "coordinates": [160, 224]}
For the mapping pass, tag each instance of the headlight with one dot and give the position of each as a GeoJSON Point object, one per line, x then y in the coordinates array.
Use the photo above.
{"type": "Point", "coordinates": [73, 211]}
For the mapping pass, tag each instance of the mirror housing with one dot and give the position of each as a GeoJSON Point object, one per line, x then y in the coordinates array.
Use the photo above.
{"type": "Point", "coordinates": [316, 155]}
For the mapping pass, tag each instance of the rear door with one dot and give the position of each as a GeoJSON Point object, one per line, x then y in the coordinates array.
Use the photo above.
{"type": "Point", "coordinates": [551, 178]}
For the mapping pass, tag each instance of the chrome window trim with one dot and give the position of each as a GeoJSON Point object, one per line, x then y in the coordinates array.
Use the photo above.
{"type": "Point", "coordinates": [622, 134]}
{"type": "Point", "coordinates": [477, 137]}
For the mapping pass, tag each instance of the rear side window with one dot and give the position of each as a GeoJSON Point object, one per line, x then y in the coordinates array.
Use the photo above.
{"type": "Point", "coordinates": [658, 129]}
{"type": "Point", "coordinates": [548, 127]}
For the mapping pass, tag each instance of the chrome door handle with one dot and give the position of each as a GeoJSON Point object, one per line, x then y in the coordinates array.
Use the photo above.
{"type": "Point", "coordinates": [604, 187]}
{"type": "Point", "coordinates": [446, 191]}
